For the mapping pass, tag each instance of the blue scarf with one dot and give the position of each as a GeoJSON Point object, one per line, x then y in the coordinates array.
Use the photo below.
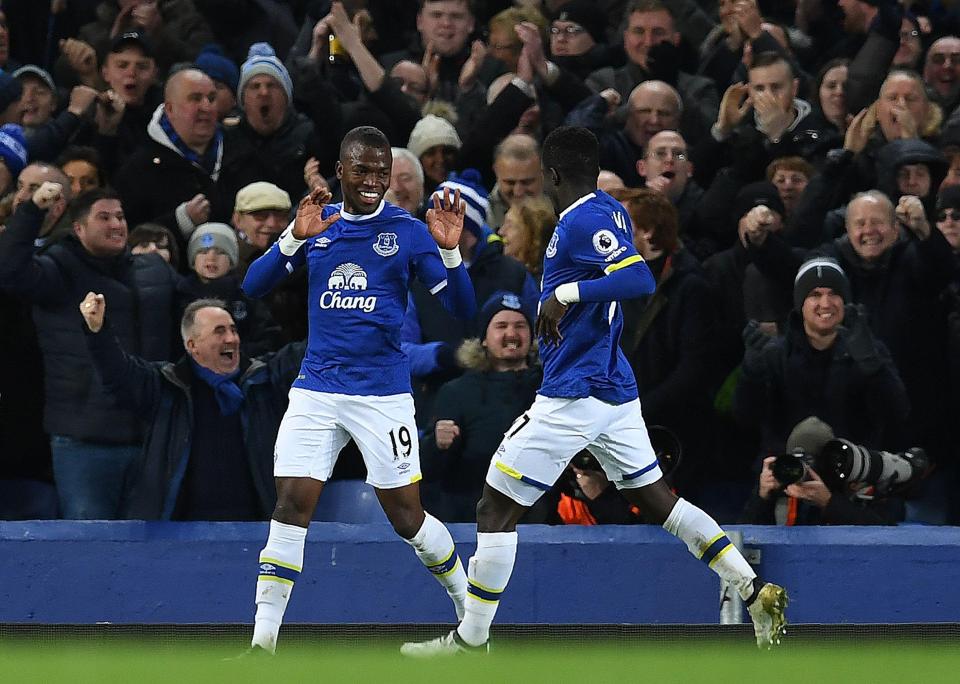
{"type": "Point", "coordinates": [228, 393]}
{"type": "Point", "coordinates": [208, 160]}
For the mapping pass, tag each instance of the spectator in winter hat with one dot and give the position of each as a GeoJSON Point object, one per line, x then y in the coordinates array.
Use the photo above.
{"type": "Point", "coordinates": [212, 256]}
{"type": "Point", "coordinates": [271, 141]}
{"type": "Point", "coordinates": [225, 75]}
{"type": "Point", "coordinates": [265, 90]}
{"type": "Point", "coordinates": [39, 98]}
{"type": "Point", "coordinates": [435, 143]}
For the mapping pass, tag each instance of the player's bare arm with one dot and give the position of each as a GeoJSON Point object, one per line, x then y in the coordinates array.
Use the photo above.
{"type": "Point", "coordinates": [309, 221]}
{"type": "Point", "coordinates": [548, 322]}
{"type": "Point", "coordinates": [445, 219]}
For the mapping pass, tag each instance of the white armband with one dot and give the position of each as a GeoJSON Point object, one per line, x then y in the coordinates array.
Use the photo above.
{"type": "Point", "coordinates": [288, 244]}
{"type": "Point", "coordinates": [568, 293]}
{"type": "Point", "coordinates": [451, 257]}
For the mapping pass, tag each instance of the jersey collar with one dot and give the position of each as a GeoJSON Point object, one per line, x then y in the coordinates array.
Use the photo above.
{"type": "Point", "coordinates": [344, 214]}
{"type": "Point", "coordinates": [576, 204]}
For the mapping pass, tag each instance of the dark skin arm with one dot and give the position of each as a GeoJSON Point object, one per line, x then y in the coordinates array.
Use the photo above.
{"type": "Point", "coordinates": [548, 322]}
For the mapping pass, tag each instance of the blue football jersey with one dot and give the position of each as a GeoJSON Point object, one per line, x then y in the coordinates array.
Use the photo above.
{"type": "Point", "coordinates": [592, 238]}
{"type": "Point", "coordinates": [359, 273]}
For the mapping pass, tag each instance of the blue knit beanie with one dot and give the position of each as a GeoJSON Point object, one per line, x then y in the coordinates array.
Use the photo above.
{"type": "Point", "coordinates": [218, 66]}
{"type": "Point", "coordinates": [261, 59]}
{"type": "Point", "coordinates": [473, 193]}
{"type": "Point", "coordinates": [13, 148]}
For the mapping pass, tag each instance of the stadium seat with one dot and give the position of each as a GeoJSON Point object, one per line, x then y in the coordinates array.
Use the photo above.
{"type": "Point", "coordinates": [349, 501]}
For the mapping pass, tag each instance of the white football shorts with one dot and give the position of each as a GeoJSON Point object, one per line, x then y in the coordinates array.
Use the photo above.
{"type": "Point", "coordinates": [317, 425]}
{"type": "Point", "coordinates": [543, 440]}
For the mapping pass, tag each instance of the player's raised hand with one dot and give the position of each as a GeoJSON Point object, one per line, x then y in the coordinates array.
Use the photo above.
{"type": "Point", "coordinates": [445, 219]}
{"type": "Point", "coordinates": [309, 221]}
{"type": "Point", "coordinates": [93, 308]}
{"type": "Point", "coordinates": [548, 322]}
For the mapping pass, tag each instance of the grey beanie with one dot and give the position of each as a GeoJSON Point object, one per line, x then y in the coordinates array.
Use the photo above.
{"type": "Point", "coordinates": [820, 272]}
{"type": "Point", "coordinates": [218, 235]}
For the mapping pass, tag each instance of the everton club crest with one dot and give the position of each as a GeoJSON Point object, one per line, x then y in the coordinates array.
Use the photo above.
{"type": "Point", "coordinates": [386, 244]}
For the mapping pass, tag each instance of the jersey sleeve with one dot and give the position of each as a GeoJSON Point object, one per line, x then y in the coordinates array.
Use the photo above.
{"type": "Point", "coordinates": [272, 267]}
{"type": "Point", "coordinates": [602, 240]}
{"type": "Point", "coordinates": [425, 260]}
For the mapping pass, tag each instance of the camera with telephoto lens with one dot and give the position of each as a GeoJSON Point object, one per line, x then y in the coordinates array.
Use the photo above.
{"type": "Point", "coordinates": [841, 463]}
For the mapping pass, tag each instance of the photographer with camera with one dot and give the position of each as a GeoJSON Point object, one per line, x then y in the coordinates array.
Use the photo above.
{"type": "Point", "coordinates": [827, 364]}
{"type": "Point", "coordinates": [822, 480]}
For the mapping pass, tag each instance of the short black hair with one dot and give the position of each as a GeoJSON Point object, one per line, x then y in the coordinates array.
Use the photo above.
{"type": "Point", "coordinates": [80, 208]}
{"type": "Point", "coordinates": [769, 58]}
{"type": "Point", "coordinates": [368, 136]}
{"type": "Point", "coordinates": [574, 152]}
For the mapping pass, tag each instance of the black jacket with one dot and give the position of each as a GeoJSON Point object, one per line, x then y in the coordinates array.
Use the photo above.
{"type": "Point", "coordinates": [156, 179]}
{"type": "Point", "coordinates": [483, 403]}
{"type": "Point", "coordinates": [673, 354]}
{"type": "Point", "coordinates": [141, 293]}
{"type": "Point", "coordinates": [900, 294]}
{"type": "Point", "coordinates": [792, 381]}
{"type": "Point", "coordinates": [161, 393]}
{"type": "Point", "coordinates": [279, 158]}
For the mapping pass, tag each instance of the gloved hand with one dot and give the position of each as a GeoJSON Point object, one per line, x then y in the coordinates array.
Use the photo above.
{"type": "Point", "coordinates": [860, 341]}
{"type": "Point", "coordinates": [755, 341]}
{"type": "Point", "coordinates": [663, 62]}
{"type": "Point", "coordinates": [446, 357]}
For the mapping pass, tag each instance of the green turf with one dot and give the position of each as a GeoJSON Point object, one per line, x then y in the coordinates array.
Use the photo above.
{"type": "Point", "coordinates": [108, 661]}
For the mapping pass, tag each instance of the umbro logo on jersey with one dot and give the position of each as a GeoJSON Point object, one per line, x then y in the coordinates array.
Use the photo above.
{"type": "Point", "coordinates": [348, 276]}
{"type": "Point", "coordinates": [322, 243]}
{"type": "Point", "coordinates": [386, 244]}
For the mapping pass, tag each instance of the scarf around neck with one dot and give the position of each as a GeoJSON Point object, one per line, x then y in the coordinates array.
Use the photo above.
{"type": "Point", "coordinates": [228, 394]}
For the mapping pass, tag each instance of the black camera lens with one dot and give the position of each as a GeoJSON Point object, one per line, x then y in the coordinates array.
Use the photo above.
{"type": "Point", "coordinates": [789, 468]}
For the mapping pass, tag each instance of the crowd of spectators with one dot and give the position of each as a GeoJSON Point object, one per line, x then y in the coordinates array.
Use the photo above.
{"type": "Point", "coordinates": [151, 150]}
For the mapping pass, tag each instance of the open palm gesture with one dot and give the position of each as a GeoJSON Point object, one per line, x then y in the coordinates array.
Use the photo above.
{"type": "Point", "coordinates": [445, 219]}
{"type": "Point", "coordinates": [309, 221]}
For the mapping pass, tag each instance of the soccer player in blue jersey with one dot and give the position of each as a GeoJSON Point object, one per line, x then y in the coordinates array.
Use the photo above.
{"type": "Point", "coordinates": [588, 400]}
{"type": "Point", "coordinates": [355, 380]}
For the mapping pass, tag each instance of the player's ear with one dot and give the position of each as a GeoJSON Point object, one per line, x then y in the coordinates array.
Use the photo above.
{"type": "Point", "coordinates": [339, 169]}
{"type": "Point", "coordinates": [554, 176]}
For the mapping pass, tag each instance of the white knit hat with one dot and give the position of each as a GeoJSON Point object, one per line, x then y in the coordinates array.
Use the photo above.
{"type": "Point", "coordinates": [261, 59]}
{"type": "Point", "coordinates": [431, 131]}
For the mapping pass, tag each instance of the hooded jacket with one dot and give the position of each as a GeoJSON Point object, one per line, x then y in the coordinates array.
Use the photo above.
{"type": "Point", "coordinates": [483, 403]}
{"type": "Point", "coordinates": [897, 154]}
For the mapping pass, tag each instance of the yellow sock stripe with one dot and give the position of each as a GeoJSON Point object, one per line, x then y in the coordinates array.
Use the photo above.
{"type": "Point", "coordinates": [274, 578]}
{"type": "Point", "coordinates": [710, 543]}
{"type": "Point", "coordinates": [289, 566]}
{"type": "Point", "coordinates": [629, 261]}
{"type": "Point", "coordinates": [720, 555]}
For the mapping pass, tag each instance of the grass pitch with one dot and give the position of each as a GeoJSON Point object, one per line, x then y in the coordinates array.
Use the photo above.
{"type": "Point", "coordinates": [376, 661]}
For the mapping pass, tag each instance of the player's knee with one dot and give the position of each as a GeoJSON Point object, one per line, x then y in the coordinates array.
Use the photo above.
{"type": "Point", "coordinates": [294, 507]}
{"type": "Point", "coordinates": [492, 516]}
